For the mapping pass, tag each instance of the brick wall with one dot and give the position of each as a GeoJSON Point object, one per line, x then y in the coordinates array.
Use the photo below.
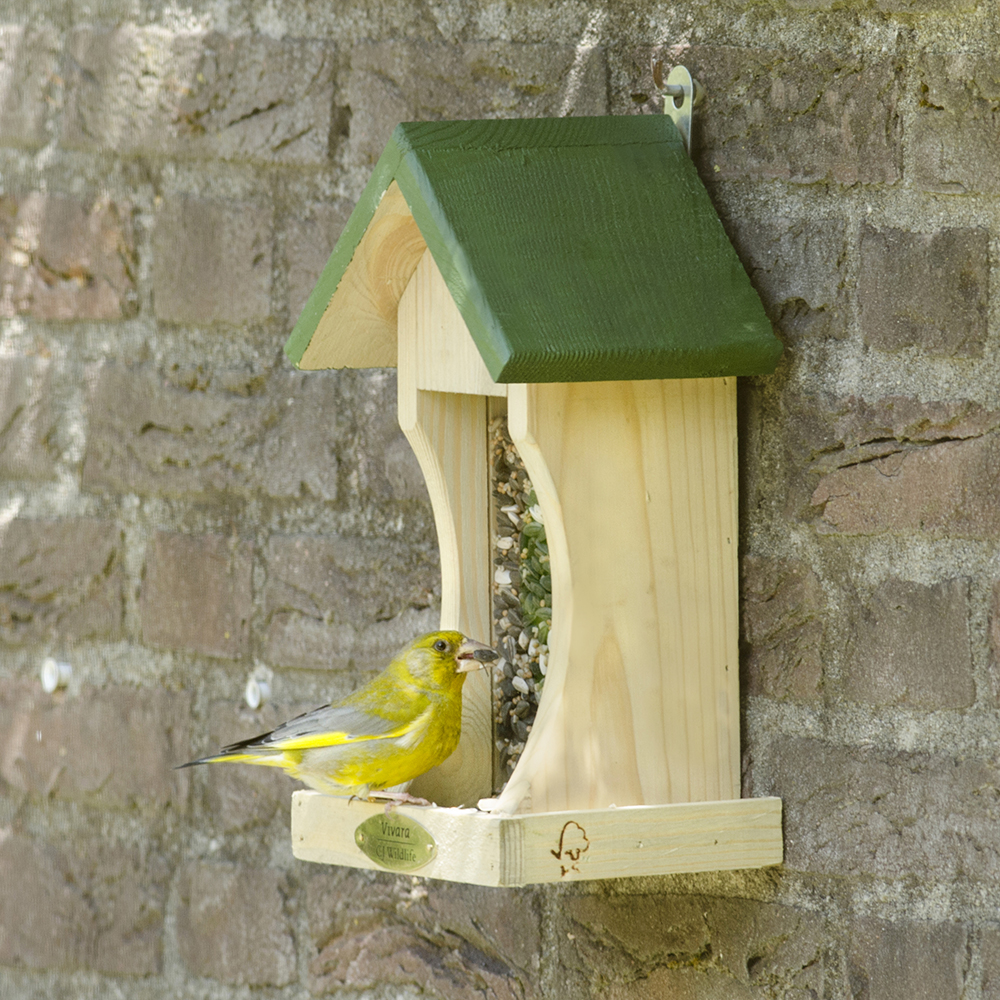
{"type": "Point", "coordinates": [177, 506]}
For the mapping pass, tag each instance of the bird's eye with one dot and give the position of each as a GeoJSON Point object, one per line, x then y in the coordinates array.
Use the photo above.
{"type": "Point", "coordinates": [440, 645]}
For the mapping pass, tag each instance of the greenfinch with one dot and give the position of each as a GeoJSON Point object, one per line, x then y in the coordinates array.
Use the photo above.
{"type": "Point", "coordinates": [399, 725]}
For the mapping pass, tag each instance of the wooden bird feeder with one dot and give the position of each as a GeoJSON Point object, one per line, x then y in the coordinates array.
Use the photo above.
{"type": "Point", "coordinates": [575, 270]}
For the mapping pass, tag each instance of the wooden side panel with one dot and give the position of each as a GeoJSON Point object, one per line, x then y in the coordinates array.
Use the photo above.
{"type": "Point", "coordinates": [358, 328]}
{"type": "Point", "coordinates": [637, 485]}
{"type": "Point", "coordinates": [484, 849]}
{"type": "Point", "coordinates": [447, 359]}
{"type": "Point", "coordinates": [447, 432]}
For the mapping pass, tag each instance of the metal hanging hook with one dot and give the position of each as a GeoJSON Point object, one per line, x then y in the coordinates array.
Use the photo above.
{"type": "Point", "coordinates": [681, 93]}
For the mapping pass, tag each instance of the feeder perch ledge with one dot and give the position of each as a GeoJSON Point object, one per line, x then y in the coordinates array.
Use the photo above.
{"type": "Point", "coordinates": [574, 273]}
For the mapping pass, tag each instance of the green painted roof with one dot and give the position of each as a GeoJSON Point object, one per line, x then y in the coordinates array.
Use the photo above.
{"type": "Point", "coordinates": [576, 249]}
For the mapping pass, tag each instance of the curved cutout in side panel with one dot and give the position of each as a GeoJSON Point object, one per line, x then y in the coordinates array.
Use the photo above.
{"type": "Point", "coordinates": [447, 432]}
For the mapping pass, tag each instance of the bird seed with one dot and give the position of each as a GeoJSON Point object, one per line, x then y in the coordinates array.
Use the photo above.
{"type": "Point", "coordinates": [522, 600]}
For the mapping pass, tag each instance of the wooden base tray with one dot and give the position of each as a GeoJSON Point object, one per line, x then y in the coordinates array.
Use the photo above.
{"type": "Point", "coordinates": [483, 848]}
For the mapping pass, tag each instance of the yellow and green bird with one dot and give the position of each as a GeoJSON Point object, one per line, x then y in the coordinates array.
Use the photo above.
{"type": "Point", "coordinates": [401, 724]}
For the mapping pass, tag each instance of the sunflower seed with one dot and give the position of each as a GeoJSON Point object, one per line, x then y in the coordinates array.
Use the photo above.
{"type": "Point", "coordinates": [522, 598]}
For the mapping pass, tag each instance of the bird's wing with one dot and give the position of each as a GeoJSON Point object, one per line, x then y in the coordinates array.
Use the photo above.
{"type": "Point", "coordinates": [329, 726]}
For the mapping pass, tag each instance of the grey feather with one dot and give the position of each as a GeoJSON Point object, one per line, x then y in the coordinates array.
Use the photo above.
{"type": "Point", "coordinates": [351, 721]}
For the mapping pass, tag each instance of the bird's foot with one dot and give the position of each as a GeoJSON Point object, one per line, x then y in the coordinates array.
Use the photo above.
{"type": "Point", "coordinates": [396, 799]}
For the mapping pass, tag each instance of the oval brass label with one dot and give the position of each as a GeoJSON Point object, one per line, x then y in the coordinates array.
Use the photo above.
{"type": "Point", "coordinates": [395, 842]}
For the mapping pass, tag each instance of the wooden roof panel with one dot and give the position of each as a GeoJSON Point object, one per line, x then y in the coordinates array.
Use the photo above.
{"type": "Point", "coordinates": [576, 249]}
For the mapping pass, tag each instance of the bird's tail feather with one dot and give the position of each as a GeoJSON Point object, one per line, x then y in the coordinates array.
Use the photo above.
{"type": "Point", "coordinates": [269, 758]}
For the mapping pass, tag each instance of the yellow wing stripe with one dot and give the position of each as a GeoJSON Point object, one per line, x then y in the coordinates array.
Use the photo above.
{"type": "Point", "coordinates": [334, 739]}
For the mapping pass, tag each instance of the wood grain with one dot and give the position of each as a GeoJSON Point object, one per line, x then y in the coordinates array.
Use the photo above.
{"type": "Point", "coordinates": [490, 849]}
{"type": "Point", "coordinates": [637, 486]}
{"type": "Point", "coordinates": [576, 249]}
{"type": "Point", "coordinates": [358, 328]}
{"type": "Point", "coordinates": [447, 432]}
{"type": "Point", "coordinates": [447, 359]}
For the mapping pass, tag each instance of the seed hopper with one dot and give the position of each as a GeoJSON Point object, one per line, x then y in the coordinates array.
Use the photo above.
{"type": "Point", "coordinates": [571, 278]}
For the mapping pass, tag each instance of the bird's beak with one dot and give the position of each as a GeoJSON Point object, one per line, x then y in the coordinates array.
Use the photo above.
{"type": "Point", "coordinates": [472, 655]}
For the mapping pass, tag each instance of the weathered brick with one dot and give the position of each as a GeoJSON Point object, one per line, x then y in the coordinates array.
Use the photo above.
{"type": "Point", "coordinates": [29, 59]}
{"type": "Point", "coordinates": [800, 118]}
{"type": "Point", "coordinates": [256, 98]}
{"type": "Point", "coordinates": [956, 131]}
{"type": "Point", "coordinates": [121, 83]}
{"type": "Point", "coordinates": [911, 646]}
{"type": "Point", "coordinates": [309, 242]}
{"type": "Point", "coordinates": [994, 639]}
{"type": "Point", "coordinates": [340, 901]}
{"type": "Point", "coordinates": [460, 942]}
{"type": "Point", "coordinates": [45, 921]}
{"type": "Point", "coordinates": [28, 423]}
{"type": "Point", "coordinates": [196, 594]}
{"type": "Point", "coordinates": [797, 433]}
{"type": "Point", "coordinates": [506, 927]}
{"type": "Point", "coordinates": [241, 796]}
{"type": "Point", "coordinates": [633, 945]}
{"type": "Point", "coordinates": [783, 607]}
{"type": "Point", "coordinates": [61, 578]}
{"type": "Point", "coordinates": [895, 6]}
{"type": "Point", "coordinates": [395, 81]}
{"type": "Point", "coordinates": [618, 939]}
{"type": "Point", "coordinates": [212, 261]}
{"type": "Point", "coordinates": [61, 258]}
{"type": "Point", "coordinates": [775, 949]}
{"type": "Point", "coordinates": [339, 602]}
{"type": "Point", "coordinates": [112, 747]}
{"type": "Point", "coordinates": [907, 960]}
{"type": "Point", "coordinates": [295, 639]}
{"type": "Point", "coordinates": [989, 950]}
{"type": "Point", "coordinates": [859, 429]}
{"type": "Point", "coordinates": [795, 266]}
{"type": "Point", "coordinates": [99, 906]}
{"type": "Point", "coordinates": [402, 471]}
{"type": "Point", "coordinates": [377, 458]}
{"type": "Point", "coordinates": [402, 956]}
{"type": "Point", "coordinates": [926, 290]}
{"type": "Point", "coordinates": [146, 436]}
{"type": "Point", "coordinates": [862, 811]}
{"type": "Point", "coordinates": [824, 433]}
{"type": "Point", "coordinates": [299, 450]}
{"type": "Point", "coordinates": [127, 889]}
{"type": "Point", "coordinates": [940, 488]}
{"type": "Point", "coordinates": [192, 434]}
{"type": "Point", "coordinates": [232, 925]}
{"type": "Point", "coordinates": [146, 90]}
{"type": "Point", "coordinates": [681, 984]}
